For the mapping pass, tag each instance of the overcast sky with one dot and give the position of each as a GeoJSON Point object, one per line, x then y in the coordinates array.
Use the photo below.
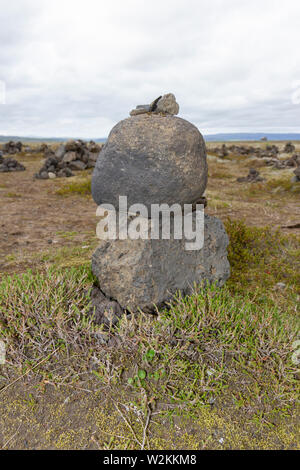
{"type": "Point", "coordinates": [75, 68]}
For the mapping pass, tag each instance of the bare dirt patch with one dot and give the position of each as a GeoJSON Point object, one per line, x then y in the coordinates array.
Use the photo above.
{"type": "Point", "coordinates": [35, 219]}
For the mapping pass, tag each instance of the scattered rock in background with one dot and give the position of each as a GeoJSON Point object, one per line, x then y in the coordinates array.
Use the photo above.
{"type": "Point", "coordinates": [75, 155]}
{"type": "Point", "coordinates": [252, 177]}
{"type": "Point", "coordinates": [53, 166]}
{"type": "Point", "coordinates": [296, 178]}
{"type": "Point", "coordinates": [224, 151]}
{"type": "Point", "coordinates": [246, 150]}
{"type": "Point", "coordinates": [10, 164]}
{"type": "Point", "coordinates": [12, 147]}
{"type": "Point", "coordinates": [289, 148]}
{"type": "Point", "coordinates": [272, 148]}
{"type": "Point", "coordinates": [291, 162]}
{"type": "Point", "coordinates": [294, 161]}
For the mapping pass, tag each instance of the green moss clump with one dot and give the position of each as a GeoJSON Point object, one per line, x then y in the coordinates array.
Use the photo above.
{"type": "Point", "coordinates": [78, 187]}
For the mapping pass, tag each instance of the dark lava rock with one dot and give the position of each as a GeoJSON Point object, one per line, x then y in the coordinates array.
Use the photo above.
{"type": "Point", "coordinates": [151, 159]}
{"type": "Point", "coordinates": [144, 273]}
{"type": "Point", "coordinates": [103, 310]}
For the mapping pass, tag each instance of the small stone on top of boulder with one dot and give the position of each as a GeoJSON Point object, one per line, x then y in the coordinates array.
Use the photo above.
{"type": "Point", "coordinates": [165, 104]}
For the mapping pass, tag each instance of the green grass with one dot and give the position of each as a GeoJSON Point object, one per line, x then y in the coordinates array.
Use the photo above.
{"type": "Point", "coordinates": [273, 187]}
{"type": "Point", "coordinates": [283, 185]}
{"type": "Point", "coordinates": [260, 258]}
{"type": "Point", "coordinates": [12, 195]}
{"type": "Point", "coordinates": [76, 187]}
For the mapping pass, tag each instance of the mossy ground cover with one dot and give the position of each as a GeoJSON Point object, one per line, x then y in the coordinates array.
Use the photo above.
{"type": "Point", "coordinates": [82, 187]}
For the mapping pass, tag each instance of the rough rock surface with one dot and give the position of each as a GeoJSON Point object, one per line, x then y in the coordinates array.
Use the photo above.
{"type": "Point", "coordinates": [289, 148]}
{"type": "Point", "coordinates": [163, 104]}
{"type": "Point", "coordinates": [167, 104]}
{"type": "Point", "coordinates": [143, 273]}
{"type": "Point", "coordinates": [151, 159]}
{"type": "Point", "coordinates": [104, 311]}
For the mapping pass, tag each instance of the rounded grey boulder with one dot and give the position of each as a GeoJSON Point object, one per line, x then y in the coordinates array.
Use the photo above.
{"type": "Point", "coordinates": [151, 159]}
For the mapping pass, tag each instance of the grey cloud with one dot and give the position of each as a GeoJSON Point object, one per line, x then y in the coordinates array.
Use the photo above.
{"type": "Point", "coordinates": [76, 68]}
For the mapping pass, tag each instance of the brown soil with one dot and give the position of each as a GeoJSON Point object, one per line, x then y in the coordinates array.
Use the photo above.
{"type": "Point", "coordinates": [34, 218]}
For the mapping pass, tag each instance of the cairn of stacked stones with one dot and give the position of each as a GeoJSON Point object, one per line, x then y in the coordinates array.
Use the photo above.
{"type": "Point", "coordinates": [289, 148]}
{"type": "Point", "coordinates": [154, 157]}
{"type": "Point", "coordinates": [75, 155]}
{"type": "Point", "coordinates": [10, 164]}
{"type": "Point", "coordinates": [291, 162]}
{"type": "Point", "coordinates": [12, 148]}
{"type": "Point", "coordinates": [252, 177]}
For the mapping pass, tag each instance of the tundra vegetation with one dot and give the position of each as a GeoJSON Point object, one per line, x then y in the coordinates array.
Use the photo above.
{"type": "Point", "coordinates": [215, 370]}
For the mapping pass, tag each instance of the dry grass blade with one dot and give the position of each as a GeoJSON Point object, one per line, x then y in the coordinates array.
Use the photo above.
{"type": "Point", "coordinates": [29, 370]}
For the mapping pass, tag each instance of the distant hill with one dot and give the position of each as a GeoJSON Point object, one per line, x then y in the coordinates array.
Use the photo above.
{"type": "Point", "coordinates": [226, 137]}
{"type": "Point", "coordinates": [246, 136]}
{"type": "Point", "coordinates": [6, 138]}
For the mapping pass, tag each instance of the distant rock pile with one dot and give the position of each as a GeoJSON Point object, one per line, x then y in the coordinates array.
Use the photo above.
{"type": "Point", "coordinates": [289, 148]}
{"type": "Point", "coordinates": [75, 155]}
{"type": "Point", "coordinates": [270, 155]}
{"type": "Point", "coordinates": [10, 164]}
{"type": "Point", "coordinates": [296, 178]}
{"type": "Point", "coordinates": [154, 158]}
{"type": "Point", "coordinates": [12, 147]}
{"type": "Point", "coordinates": [291, 162]}
{"type": "Point", "coordinates": [252, 177]}
{"type": "Point", "coordinates": [224, 150]}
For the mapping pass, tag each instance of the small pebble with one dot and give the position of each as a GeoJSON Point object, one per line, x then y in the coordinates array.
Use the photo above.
{"type": "Point", "coordinates": [280, 285]}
